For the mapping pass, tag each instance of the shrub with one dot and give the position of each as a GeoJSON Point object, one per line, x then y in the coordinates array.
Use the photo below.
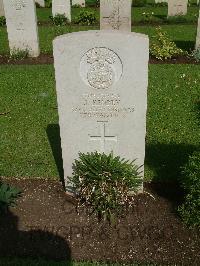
{"type": "Point", "coordinates": [59, 20]}
{"type": "Point", "coordinates": [2, 21]}
{"type": "Point", "coordinates": [190, 209]}
{"type": "Point", "coordinates": [162, 47]}
{"type": "Point", "coordinates": [17, 54]}
{"type": "Point", "coordinates": [196, 54]}
{"type": "Point", "coordinates": [139, 2]}
{"type": "Point", "coordinates": [8, 196]}
{"type": "Point", "coordinates": [86, 18]}
{"type": "Point", "coordinates": [103, 182]}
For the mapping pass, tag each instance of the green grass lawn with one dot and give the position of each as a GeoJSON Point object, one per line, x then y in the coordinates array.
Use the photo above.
{"type": "Point", "coordinates": [30, 128]}
{"type": "Point", "coordinates": [159, 14]}
{"type": "Point", "coordinates": [183, 35]}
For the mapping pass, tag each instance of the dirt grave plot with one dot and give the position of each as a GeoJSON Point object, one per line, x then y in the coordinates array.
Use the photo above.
{"type": "Point", "coordinates": [44, 59]}
{"type": "Point", "coordinates": [45, 223]}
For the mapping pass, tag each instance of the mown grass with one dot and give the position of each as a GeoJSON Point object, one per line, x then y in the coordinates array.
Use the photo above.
{"type": "Point", "coordinates": [159, 14]}
{"type": "Point", "coordinates": [183, 35]}
{"type": "Point", "coordinates": [40, 262]}
{"type": "Point", "coordinates": [30, 127]}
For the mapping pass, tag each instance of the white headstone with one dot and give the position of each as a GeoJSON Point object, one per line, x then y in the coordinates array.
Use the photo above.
{"type": "Point", "coordinates": [115, 15]}
{"type": "Point", "coordinates": [101, 84]}
{"type": "Point", "coordinates": [22, 26]}
{"type": "Point", "coordinates": [198, 34]}
{"type": "Point", "coordinates": [40, 2]}
{"type": "Point", "coordinates": [62, 7]}
{"type": "Point", "coordinates": [2, 14]}
{"type": "Point", "coordinates": [177, 7]}
{"type": "Point", "coordinates": [78, 2]}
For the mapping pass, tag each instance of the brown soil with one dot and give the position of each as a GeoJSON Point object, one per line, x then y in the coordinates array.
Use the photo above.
{"type": "Point", "coordinates": [48, 59]}
{"type": "Point", "coordinates": [42, 59]}
{"type": "Point", "coordinates": [45, 224]}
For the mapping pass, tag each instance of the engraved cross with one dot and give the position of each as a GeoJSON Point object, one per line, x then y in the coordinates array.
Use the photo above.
{"type": "Point", "coordinates": [103, 137]}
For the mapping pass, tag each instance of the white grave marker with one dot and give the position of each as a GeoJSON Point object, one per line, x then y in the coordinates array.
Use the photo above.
{"type": "Point", "coordinates": [2, 14]}
{"type": "Point", "coordinates": [78, 2]}
{"type": "Point", "coordinates": [177, 7]}
{"type": "Point", "coordinates": [40, 2]}
{"type": "Point", "coordinates": [62, 7]}
{"type": "Point", "coordinates": [115, 15]}
{"type": "Point", "coordinates": [22, 26]}
{"type": "Point", "coordinates": [198, 34]}
{"type": "Point", "coordinates": [101, 86]}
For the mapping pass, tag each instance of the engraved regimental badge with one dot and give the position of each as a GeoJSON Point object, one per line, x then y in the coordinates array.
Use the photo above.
{"type": "Point", "coordinates": [100, 68]}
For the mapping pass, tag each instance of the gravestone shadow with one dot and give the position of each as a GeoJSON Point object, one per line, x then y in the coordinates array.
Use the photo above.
{"type": "Point", "coordinates": [166, 161]}
{"type": "Point", "coordinates": [34, 244]}
{"type": "Point", "coordinates": [53, 134]}
{"type": "Point", "coordinates": [185, 45]}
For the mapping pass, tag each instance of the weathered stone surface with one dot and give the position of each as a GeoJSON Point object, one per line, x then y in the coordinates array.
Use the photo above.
{"type": "Point", "coordinates": [115, 15]}
{"type": "Point", "coordinates": [101, 82]}
{"type": "Point", "coordinates": [22, 26]}
{"type": "Point", "coordinates": [78, 2]}
{"type": "Point", "coordinates": [40, 2]}
{"type": "Point", "coordinates": [177, 7]}
{"type": "Point", "coordinates": [62, 7]}
{"type": "Point", "coordinates": [1, 9]}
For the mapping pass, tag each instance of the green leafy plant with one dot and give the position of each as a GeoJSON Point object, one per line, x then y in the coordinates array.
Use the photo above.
{"type": "Point", "coordinates": [59, 20]}
{"type": "Point", "coordinates": [8, 196]}
{"type": "Point", "coordinates": [190, 181]}
{"type": "Point", "coordinates": [2, 21]}
{"type": "Point", "coordinates": [18, 54]}
{"type": "Point", "coordinates": [86, 17]}
{"type": "Point", "coordinates": [104, 182]}
{"type": "Point", "coordinates": [162, 47]}
{"type": "Point", "coordinates": [196, 54]}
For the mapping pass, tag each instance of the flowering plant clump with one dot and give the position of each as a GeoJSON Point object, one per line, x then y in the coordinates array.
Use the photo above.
{"type": "Point", "coordinates": [104, 182]}
{"type": "Point", "coordinates": [162, 47]}
{"type": "Point", "coordinates": [147, 16]}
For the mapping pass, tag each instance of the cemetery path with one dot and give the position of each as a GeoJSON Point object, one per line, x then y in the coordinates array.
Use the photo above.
{"type": "Point", "coordinates": [48, 59]}
{"type": "Point", "coordinates": [46, 224]}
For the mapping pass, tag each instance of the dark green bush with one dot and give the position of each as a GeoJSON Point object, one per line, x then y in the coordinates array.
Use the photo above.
{"type": "Point", "coordinates": [86, 18]}
{"type": "Point", "coordinates": [104, 182]}
{"type": "Point", "coordinates": [139, 2]}
{"type": "Point", "coordinates": [190, 181]}
{"type": "Point", "coordinates": [59, 20]}
{"type": "Point", "coordinates": [2, 21]}
{"type": "Point", "coordinates": [8, 196]}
